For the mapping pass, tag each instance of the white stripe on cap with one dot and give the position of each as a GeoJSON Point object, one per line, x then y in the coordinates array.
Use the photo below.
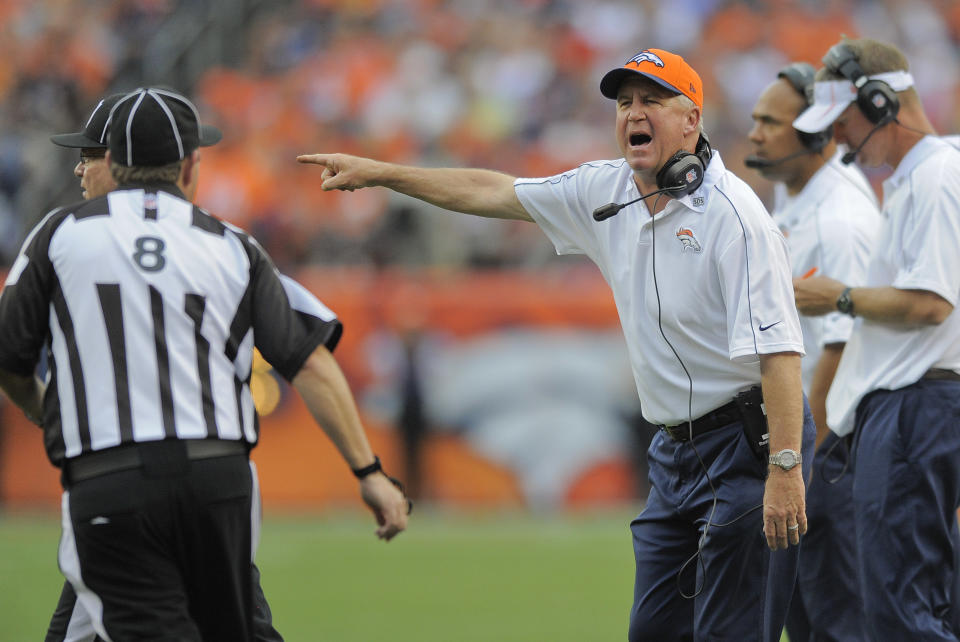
{"type": "Point", "coordinates": [106, 125]}
{"type": "Point", "coordinates": [93, 113]}
{"type": "Point", "coordinates": [140, 94]}
{"type": "Point", "coordinates": [184, 100]}
{"type": "Point", "coordinates": [103, 133]}
{"type": "Point", "coordinates": [173, 121]}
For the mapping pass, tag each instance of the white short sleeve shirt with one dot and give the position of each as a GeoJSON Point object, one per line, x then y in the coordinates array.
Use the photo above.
{"type": "Point", "coordinates": [919, 249]}
{"type": "Point", "coordinates": [832, 224]}
{"type": "Point", "coordinates": [708, 277]}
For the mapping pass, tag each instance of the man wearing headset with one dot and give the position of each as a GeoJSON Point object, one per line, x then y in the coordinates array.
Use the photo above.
{"type": "Point", "coordinates": [897, 387]}
{"type": "Point", "coordinates": [828, 214]}
{"type": "Point", "coordinates": [701, 281]}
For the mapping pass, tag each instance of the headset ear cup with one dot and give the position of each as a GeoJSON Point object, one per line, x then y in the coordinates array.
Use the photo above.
{"type": "Point", "coordinates": [816, 141]}
{"type": "Point", "coordinates": [876, 99]}
{"type": "Point", "coordinates": [878, 102]}
{"type": "Point", "coordinates": [682, 174]}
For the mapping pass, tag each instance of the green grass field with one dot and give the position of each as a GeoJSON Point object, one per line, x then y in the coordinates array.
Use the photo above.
{"type": "Point", "coordinates": [452, 578]}
{"type": "Point", "coordinates": [464, 578]}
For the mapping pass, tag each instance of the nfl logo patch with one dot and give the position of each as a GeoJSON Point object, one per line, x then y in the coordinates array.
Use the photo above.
{"type": "Point", "coordinates": [691, 175]}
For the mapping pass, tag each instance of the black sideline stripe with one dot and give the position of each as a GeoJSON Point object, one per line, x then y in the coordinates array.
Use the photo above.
{"type": "Point", "coordinates": [238, 390]}
{"type": "Point", "coordinates": [163, 362]}
{"type": "Point", "coordinates": [194, 307]}
{"type": "Point", "coordinates": [109, 294]}
{"type": "Point", "coordinates": [204, 221]}
{"type": "Point", "coordinates": [76, 368]}
{"type": "Point", "coordinates": [53, 429]}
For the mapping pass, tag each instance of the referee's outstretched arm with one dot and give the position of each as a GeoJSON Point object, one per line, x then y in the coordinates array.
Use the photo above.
{"type": "Point", "coordinates": [324, 389]}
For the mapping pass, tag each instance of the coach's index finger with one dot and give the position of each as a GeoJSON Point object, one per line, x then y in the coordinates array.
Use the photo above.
{"type": "Point", "coordinates": [340, 171]}
{"type": "Point", "coordinates": [316, 159]}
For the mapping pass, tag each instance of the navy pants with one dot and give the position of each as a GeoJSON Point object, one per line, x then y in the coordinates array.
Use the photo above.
{"type": "Point", "coordinates": [743, 588]}
{"type": "Point", "coordinates": [826, 606]}
{"type": "Point", "coordinates": [906, 490]}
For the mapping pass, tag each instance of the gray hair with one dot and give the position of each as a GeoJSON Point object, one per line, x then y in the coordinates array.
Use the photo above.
{"type": "Point", "coordinates": [168, 173]}
{"type": "Point", "coordinates": [689, 104]}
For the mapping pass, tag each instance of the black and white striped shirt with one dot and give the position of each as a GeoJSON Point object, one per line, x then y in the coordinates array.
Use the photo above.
{"type": "Point", "coordinates": [150, 308]}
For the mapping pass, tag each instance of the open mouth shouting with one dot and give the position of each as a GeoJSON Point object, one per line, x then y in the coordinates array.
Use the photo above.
{"type": "Point", "coordinates": [639, 140]}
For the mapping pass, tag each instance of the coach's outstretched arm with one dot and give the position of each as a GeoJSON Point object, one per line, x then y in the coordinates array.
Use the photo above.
{"type": "Point", "coordinates": [324, 389]}
{"type": "Point", "coordinates": [480, 192]}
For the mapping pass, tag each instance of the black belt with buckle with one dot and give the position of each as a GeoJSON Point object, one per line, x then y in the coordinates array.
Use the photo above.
{"type": "Point", "coordinates": [941, 374]}
{"type": "Point", "coordinates": [129, 456]}
{"type": "Point", "coordinates": [722, 416]}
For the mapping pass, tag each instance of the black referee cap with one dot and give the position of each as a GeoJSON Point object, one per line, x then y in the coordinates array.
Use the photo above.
{"type": "Point", "coordinates": [151, 126]}
{"type": "Point", "coordinates": [94, 133]}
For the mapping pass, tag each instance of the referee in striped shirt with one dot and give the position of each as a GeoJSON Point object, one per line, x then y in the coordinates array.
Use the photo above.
{"type": "Point", "coordinates": [70, 622]}
{"type": "Point", "coordinates": [149, 309]}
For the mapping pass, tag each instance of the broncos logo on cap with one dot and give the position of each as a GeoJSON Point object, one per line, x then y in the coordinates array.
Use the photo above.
{"type": "Point", "coordinates": [690, 242]}
{"type": "Point", "coordinates": [646, 56]}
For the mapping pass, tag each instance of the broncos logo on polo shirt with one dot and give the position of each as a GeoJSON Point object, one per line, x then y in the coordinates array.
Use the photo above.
{"type": "Point", "coordinates": [690, 242]}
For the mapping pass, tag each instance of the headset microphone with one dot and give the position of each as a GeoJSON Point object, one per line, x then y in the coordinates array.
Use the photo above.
{"type": "Point", "coordinates": [849, 157]}
{"type": "Point", "coordinates": [755, 162]}
{"type": "Point", "coordinates": [604, 212]}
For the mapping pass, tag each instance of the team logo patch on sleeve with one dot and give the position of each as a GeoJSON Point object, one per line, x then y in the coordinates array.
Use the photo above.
{"type": "Point", "coordinates": [689, 241]}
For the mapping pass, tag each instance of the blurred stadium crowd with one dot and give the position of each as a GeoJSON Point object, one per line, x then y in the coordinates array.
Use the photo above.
{"type": "Point", "coordinates": [504, 84]}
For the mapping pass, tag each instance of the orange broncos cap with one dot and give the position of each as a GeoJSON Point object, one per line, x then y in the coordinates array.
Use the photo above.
{"type": "Point", "coordinates": [664, 68]}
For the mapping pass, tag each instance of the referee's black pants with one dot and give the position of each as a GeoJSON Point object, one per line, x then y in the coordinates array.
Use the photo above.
{"type": "Point", "coordinates": [70, 624]}
{"type": "Point", "coordinates": [163, 552]}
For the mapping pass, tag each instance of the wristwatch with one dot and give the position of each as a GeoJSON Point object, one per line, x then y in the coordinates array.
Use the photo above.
{"type": "Point", "coordinates": [844, 302]}
{"type": "Point", "coordinates": [366, 471]}
{"type": "Point", "coordinates": [785, 459]}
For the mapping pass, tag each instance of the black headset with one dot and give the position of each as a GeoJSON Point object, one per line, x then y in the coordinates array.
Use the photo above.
{"type": "Point", "coordinates": [875, 98]}
{"type": "Point", "coordinates": [800, 75]}
{"type": "Point", "coordinates": [683, 172]}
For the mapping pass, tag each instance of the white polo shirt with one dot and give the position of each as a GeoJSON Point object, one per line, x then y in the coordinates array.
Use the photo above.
{"type": "Point", "coordinates": [832, 224]}
{"type": "Point", "coordinates": [919, 249]}
{"type": "Point", "coordinates": [725, 293]}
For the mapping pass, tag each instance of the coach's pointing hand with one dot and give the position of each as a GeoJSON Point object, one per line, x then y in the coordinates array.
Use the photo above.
{"type": "Point", "coordinates": [344, 172]}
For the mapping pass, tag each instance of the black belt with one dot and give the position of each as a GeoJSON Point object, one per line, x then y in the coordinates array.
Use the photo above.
{"type": "Point", "coordinates": [128, 457]}
{"type": "Point", "coordinates": [722, 416]}
{"type": "Point", "coordinates": [941, 374]}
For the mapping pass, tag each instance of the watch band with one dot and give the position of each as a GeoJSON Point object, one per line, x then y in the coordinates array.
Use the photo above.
{"type": "Point", "coordinates": [366, 471]}
{"type": "Point", "coordinates": [778, 459]}
{"type": "Point", "coordinates": [844, 302]}
{"type": "Point", "coordinates": [375, 467]}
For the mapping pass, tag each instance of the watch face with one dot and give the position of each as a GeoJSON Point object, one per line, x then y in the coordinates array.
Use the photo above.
{"type": "Point", "coordinates": [785, 459]}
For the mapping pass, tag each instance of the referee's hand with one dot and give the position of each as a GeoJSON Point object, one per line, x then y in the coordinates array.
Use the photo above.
{"type": "Point", "coordinates": [388, 503]}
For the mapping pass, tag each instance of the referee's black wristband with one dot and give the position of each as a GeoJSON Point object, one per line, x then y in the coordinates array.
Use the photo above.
{"type": "Point", "coordinates": [366, 471]}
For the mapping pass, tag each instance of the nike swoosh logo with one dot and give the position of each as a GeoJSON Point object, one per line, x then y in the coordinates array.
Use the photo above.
{"type": "Point", "coordinates": [764, 328]}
